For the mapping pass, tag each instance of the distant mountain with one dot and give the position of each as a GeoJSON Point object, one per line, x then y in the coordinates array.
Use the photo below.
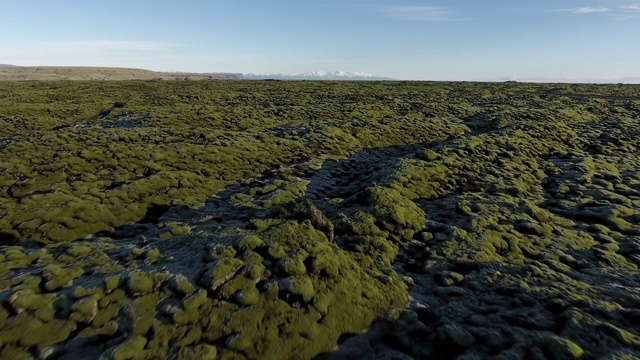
{"type": "Point", "coordinates": [629, 80]}
{"type": "Point", "coordinates": [16, 73]}
{"type": "Point", "coordinates": [318, 75]}
{"type": "Point", "coordinates": [237, 76]}
{"type": "Point", "coordinates": [570, 80]}
{"type": "Point", "coordinates": [6, 65]}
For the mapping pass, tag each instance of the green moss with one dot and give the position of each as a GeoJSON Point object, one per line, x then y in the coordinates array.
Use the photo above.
{"type": "Point", "coordinates": [108, 330]}
{"type": "Point", "coordinates": [239, 342]}
{"type": "Point", "coordinates": [220, 251]}
{"type": "Point", "coordinates": [46, 314]}
{"type": "Point", "coordinates": [429, 155]}
{"type": "Point", "coordinates": [79, 250]}
{"type": "Point", "coordinates": [558, 203]}
{"type": "Point", "coordinates": [182, 285]}
{"type": "Point", "coordinates": [115, 296]}
{"type": "Point", "coordinates": [28, 331]}
{"type": "Point", "coordinates": [277, 251]}
{"type": "Point", "coordinates": [322, 265]}
{"type": "Point", "coordinates": [248, 296]}
{"type": "Point", "coordinates": [112, 282]}
{"type": "Point", "coordinates": [103, 316]}
{"type": "Point", "coordinates": [193, 336]}
{"type": "Point", "coordinates": [16, 353]}
{"type": "Point", "coordinates": [26, 282]}
{"type": "Point", "coordinates": [81, 292]}
{"type": "Point", "coordinates": [166, 235]}
{"type": "Point", "coordinates": [193, 302]}
{"type": "Point", "coordinates": [56, 276]}
{"type": "Point", "coordinates": [221, 271]}
{"type": "Point", "coordinates": [254, 271]}
{"type": "Point", "coordinates": [361, 224]}
{"type": "Point", "coordinates": [28, 300]}
{"type": "Point", "coordinates": [350, 285]}
{"type": "Point", "coordinates": [140, 283]}
{"type": "Point", "coordinates": [263, 224]}
{"type": "Point", "coordinates": [299, 286]}
{"type": "Point", "coordinates": [205, 351]}
{"type": "Point", "coordinates": [249, 242]}
{"type": "Point", "coordinates": [85, 310]}
{"type": "Point", "coordinates": [230, 288]}
{"type": "Point", "coordinates": [396, 212]}
{"type": "Point", "coordinates": [291, 191]}
{"type": "Point", "coordinates": [153, 256]}
{"type": "Point", "coordinates": [562, 348]}
{"type": "Point", "coordinates": [193, 306]}
{"type": "Point", "coordinates": [142, 312]}
{"type": "Point", "coordinates": [293, 266]}
{"type": "Point", "coordinates": [129, 350]}
{"type": "Point", "coordinates": [529, 228]}
{"type": "Point", "coordinates": [180, 230]}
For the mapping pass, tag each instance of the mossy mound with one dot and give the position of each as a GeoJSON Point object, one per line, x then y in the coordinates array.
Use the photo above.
{"type": "Point", "coordinates": [283, 288]}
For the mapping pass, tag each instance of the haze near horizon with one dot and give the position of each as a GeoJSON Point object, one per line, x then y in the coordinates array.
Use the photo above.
{"type": "Point", "coordinates": [495, 40]}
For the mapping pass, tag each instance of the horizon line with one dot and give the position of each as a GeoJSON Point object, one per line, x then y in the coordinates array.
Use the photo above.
{"type": "Point", "coordinates": [630, 80]}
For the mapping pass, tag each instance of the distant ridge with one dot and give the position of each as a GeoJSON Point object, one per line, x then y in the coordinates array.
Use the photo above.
{"type": "Point", "coordinates": [17, 73]}
{"type": "Point", "coordinates": [318, 75]}
{"type": "Point", "coordinates": [6, 65]}
{"type": "Point", "coordinates": [633, 80]}
{"type": "Point", "coordinates": [237, 76]}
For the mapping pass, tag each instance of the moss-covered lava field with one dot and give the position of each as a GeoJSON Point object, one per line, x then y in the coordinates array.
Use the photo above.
{"type": "Point", "coordinates": [328, 220]}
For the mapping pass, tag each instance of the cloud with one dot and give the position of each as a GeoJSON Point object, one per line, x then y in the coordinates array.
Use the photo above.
{"type": "Point", "coordinates": [84, 53]}
{"type": "Point", "coordinates": [418, 13]}
{"type": "Point", "coordinates": [126, 45]}
{"type": "Point", "coordinates": [623, 12]}
{"type": "Point", "coordinates": [630, 8]}
{"type": "Point", "coordinates": [589, 10]}
{"type": "Point", "coordinates": [84, 47]}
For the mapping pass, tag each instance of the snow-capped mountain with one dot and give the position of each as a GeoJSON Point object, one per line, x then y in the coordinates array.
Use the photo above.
{"type": "Point", "coordinates": [335, 74]}
{"type": "Point", "coordinates": [317, 75]}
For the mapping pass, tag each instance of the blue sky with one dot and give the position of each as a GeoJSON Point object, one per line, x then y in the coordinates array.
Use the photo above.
{"type": "Point", "coordinates": [427, 40]}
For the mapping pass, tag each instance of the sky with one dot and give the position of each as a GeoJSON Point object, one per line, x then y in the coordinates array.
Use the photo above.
{"type": "Point", "coordinates": [495, 40]}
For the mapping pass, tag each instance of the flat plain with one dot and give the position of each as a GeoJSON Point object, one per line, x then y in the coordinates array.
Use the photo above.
{"type": "Point", "coordinates": [271, 219]}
